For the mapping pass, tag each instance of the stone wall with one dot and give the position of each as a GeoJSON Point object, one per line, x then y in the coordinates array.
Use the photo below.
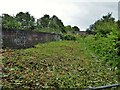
{"type": "Point", "coordinates": [25, 38]}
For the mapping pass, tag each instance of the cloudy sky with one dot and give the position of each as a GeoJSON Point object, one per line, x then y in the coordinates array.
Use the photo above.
{"type": "Point", "coordinates": [81, 13]}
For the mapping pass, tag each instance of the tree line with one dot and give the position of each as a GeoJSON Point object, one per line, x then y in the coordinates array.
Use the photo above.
{"type": "Point", "coordinates": [26, 21]}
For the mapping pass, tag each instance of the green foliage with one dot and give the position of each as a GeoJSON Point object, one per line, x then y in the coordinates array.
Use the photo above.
{"type": "Point", "coordinates": [104, 26]}
{"type": "Point", "coordinates": [118, 44]}
{"type": "Point", "coordinates": [53, 24]}
{"type": "Point", "coordinates": [62, 64]}
{"type": "Point", "coordinates": [76, 28]}
{"type": "Point", "coordinates": [104, 48]}
{"type": "Point", "coordinates": [69, 29]}
{"type": "Point", "coordinates": [50, 30]}
{"type": "Point", "coordinates": [46, 23]}
{"type": "Point", "coordinates": [105, 42]}
{"type": "Point", "coordinates": [43, 21]}
{"type": "Point", "coordinates": [56, 24]}
{"type": "Point", "coordinates": [10, 22]}
{"type": "Point", "coordinates": [26, 20]}
{"type": "Point", "coordinates": [67, 37]}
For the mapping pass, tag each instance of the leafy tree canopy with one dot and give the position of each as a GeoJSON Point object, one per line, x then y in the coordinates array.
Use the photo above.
{"type": "Point", "coordinates": [10, 22]}
{"type": "Point", "coordinates": [104, 26]}
{"type": "Point", "coordinates": [26, 20]}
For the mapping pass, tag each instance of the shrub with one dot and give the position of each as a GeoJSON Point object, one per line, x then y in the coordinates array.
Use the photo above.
{"type": "Point", "coordinates": [67, 37]}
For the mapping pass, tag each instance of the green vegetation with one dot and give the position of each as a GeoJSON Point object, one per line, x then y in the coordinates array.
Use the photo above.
{"type": "Point", "coordinates": [26, 21]}
{"type": "Point", "coordinates": [78, 62]}
{"type": "Point", "coordinates": [105, 41]}
{"type": "Point", "coordinates": [67, 37]}
{"type": "Point", "coordinates": [62, 64]}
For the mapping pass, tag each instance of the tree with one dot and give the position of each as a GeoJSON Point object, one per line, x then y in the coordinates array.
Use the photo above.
{"type": "Point", "coordinates": [75, 29]}
{"type": "Point", "coordinates": [26, 20]}
{"type": "Point", "coordinates": [104, 26]}
{"type": "Point", "coordinates": [69, 29]}
{"type": "Point", "coordinates": [10, 22]}
{"type": "Point", "coordinates": [56, 24]}
{"type": "Point", "coordinates": [43, 22]}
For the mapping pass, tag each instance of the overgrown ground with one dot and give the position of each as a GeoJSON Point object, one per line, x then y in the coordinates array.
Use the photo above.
{"type": "Point", "coordinates": [61, 64]}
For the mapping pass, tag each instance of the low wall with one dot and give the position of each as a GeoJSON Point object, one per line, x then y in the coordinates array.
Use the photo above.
{"type": "Point", "coordinates": [23, 39]}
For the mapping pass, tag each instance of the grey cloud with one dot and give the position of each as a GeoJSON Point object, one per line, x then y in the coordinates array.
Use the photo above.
{"type": "Point", "coordinates": [92, 11]}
